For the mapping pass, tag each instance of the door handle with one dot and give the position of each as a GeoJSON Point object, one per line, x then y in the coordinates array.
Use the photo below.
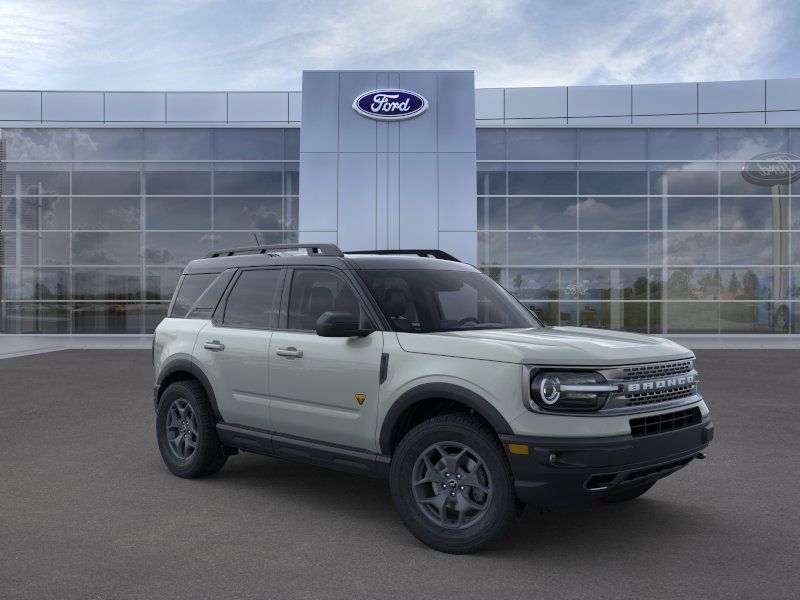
{"type": "Point", "coordinates": [290, 352]}
{"type": "Point", "coordinates": [215, 345]}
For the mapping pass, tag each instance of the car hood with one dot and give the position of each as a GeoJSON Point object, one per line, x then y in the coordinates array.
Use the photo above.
{"type": "Point", "coordinates": [546, 346]}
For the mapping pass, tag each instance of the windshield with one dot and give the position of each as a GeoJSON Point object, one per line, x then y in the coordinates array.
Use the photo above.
{"type": "Point", "coordinates": [428, 300]}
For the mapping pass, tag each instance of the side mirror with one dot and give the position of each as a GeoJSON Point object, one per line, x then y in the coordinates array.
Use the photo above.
{"type": "Point", "coordinates": [340, 324]}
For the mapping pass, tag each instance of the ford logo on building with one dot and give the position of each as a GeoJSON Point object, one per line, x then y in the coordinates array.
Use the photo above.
{"type": "Point", "coordinates": [390, 105]}
{"type": "Point", "coordinates": [772, 168]}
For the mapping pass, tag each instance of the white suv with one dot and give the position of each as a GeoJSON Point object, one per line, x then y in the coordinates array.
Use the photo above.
{"type": "Point", "coordinates": [413, 366]}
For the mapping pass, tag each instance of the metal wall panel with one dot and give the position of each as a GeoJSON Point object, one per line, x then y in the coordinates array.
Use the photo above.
{"type": "Point", "coordinates": [536, 103]}
{"type": "Point", "coordinates": [357, 196]}
{"type": "Point", "coordinates": [783, 94]}
{"type": "Point", "coordinates": [136, 107]}
{"type": "Point", "coordinates": [599, 101]}
{"type": "Point", "coordinates": [461, 244]}
{"type": "Point", "coordinates": [665, 120]}
{"type": "Point", "coordinates": [20, 106]}
{"type": "Point", "coordinates": [455, 98]}
{"type": "Point", "coordinates": [731, 96]}
{"type": "Point", "coordinates": [318, 190]}
{"type": "Point", "coordinates": [295, 106]}
{"type": "Point", "coordinates": [664, 99]}
{"type": "Point", "coordinates": [258, 106]}
{"type": "Point", "coordinates": [197, 107]}
{"type": "Point", "coordinates": [356, 134]}
{"type": "Point", "coordinates": [457, 204]}
{"type": "Point", "coordinates": [738, 119]}
{"type": "Point", "coordinates": [418, 200]}
{"type": "Point", "coordinates": [72, 106]}
{"type": "Point", "coordinates": [419, 134]}
{"type": "Point", "coordinates": [789, 118]}
{"type": "Point", "coordinates": [320, 130]}
{"type": "Point", "coordinates": [489, 103]}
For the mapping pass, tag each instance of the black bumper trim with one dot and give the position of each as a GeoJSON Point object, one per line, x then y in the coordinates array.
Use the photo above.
{"type": "Point", "coordinates": [556, 471]}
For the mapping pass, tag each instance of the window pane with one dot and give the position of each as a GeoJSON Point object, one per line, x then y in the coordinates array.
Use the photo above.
{"type": "Point", "coordinates": [161, 283]}
{"type": "Point", "coordinates": [176, 248]}
{"type": "Point", "coordinates": [248, 144]}
{"type": "Point", "coordinates": [248, 213]}
{"type": "Point", "coordinates": [38, 144]}
{"type": "Point", "coordinates": [118, 183]}
{"type": "Point", "coordinates": [45, 248]}
{"type": "Point", "coordinates": [612, 284]}
{"type": "Point", "coordinates": [692, 248]}
{"type": "Point", "coordinates": [749, 317]}
{"type": "Point", "coordinates": [542, 284]}
{"type": "Point", "coordinates": [253, 301]}
{"type": "Point", "coordinates": [177, 144]}
{"type": "Point", "coordinates": [670, 179]}
{"type": "Point", "coordinates": [291, 141]}
{"type": "Point", "coordinates": [542, 248]}
{"type": "Point", "coordinates": [541, 144]}
{"type": "Point", "coordinates": [154, 313]}
{"type": "Point", "coordinates": [754, 248]}
{"type": "Point", "coordinates": [682, 144]}
{"type": "Point", "coordinates": [754, 283]}
{"type": "Point", "coordinates": [612, 144]}
{"type": "Point", "coordinates": [733, 182]}
{"type": "Point", "coordinates": [745, 144]}
{"type": "Point", "coordinates": [103, 248]}
{"type": "Point", "coordinates": [291, 179]}
{"type": "Point", "coordinates": [106, 284]}
{"type": "Point", "coordinates": [36, 180]}
{"type": "Point", "coordinates": [612, 213]}
{"type": "Point", "coordinates": [44, 212]}
{"type": "Point", "coordinates": [107, 317]}
{"type": "Point", "coordinates": [178, 183]}
{"type": "Point", "coordinates": [628, 316]}
{"type": "Point", "coordinates": [108, 144]}
{"type": "Point", "coordinates": [490, 144]}
{"type": "Point", "coordinates": [492, 213]}
{"type": "Point", "coordinates": [528, 180]}
{"type": "Point", "coordinates": [36, 284]}
{"type": "Point", "coordinates": [613, 249]}
{"type": "Point", "coordinates": [491, 179]}
{"type": "Point", "coordinates": [693, 284]}
{"type": "Point", "coordinates": [611, 182]}
{"type": "Point", "coordinates": [178, 213]}
{"type": "Point", "coordinates": [106, 213]}
{"type": "Point", "coordinates": [692, 213]}
{"type": "Point", "coordinates": [691, 317]}
{"type": "Point", "coordinates": [191, 289]}
{"type": "Point", "coordinates": [542, 213]}
{"type": "Point", "coordinates": [754, 213]}
{"type": "Point", "coordinates": [248, 181]}
{"type": "Point", "coordinates": [30, 317]}
{"type": "Point", "coordinates": [315, 292]}
{"type": "Point", "coordinates": [238, 239]}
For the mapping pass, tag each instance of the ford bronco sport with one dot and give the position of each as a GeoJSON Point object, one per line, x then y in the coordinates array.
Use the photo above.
{"type": "Point", "coordinates": [413, 366]}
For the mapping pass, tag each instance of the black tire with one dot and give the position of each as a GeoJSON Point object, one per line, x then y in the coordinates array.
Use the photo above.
{"type": "Point", "coordinates": [500, 506]}
{"type": "Point", "coordinates": [206, 456]}
{"type": "Point", "coordinates": [628, 494]}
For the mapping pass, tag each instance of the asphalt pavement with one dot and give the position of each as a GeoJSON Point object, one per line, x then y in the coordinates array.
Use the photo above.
{"type": "Point", "coordinates": [87, 509]}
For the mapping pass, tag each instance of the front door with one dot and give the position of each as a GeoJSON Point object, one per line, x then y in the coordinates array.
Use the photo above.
{"type": "Point", "coordinates": [233, 350]}
{"type": "Point", "coordinates": [324, 389]}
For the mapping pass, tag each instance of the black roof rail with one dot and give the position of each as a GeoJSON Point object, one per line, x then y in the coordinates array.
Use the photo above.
{"type": "Point", "coordinates": [312, 249]}
{"type": "Point", "coordinates": [424, 253]}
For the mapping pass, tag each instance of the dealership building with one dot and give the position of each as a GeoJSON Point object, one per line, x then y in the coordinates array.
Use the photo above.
{"type": "Point", "coordinates": [666, 208]}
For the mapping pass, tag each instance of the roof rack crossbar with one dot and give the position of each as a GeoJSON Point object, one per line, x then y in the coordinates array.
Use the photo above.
{"type": "Point", "coordinates": [312, 249]}
{"type": "Point", "coordinates": [423, 252]}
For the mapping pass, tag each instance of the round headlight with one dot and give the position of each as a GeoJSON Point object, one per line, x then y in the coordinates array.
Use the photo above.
{"type": "Point", "coordinates": [549, 390]}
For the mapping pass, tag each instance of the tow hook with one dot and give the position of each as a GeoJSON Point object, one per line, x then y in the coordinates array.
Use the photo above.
{"type": "Point", "coordinates": [700, 455]}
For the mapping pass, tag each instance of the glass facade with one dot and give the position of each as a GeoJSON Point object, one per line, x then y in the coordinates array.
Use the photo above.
{"type": "Point", "coordinates": [96, 224]}
{"type": "Point", "coordinates": [647, 230]}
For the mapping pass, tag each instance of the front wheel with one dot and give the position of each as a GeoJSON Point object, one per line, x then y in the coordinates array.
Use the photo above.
{"type": "Point", "coordinates": [452, 484]}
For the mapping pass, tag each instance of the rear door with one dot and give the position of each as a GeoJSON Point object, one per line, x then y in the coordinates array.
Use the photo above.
{"type": "Point", "coordinates": [324, 389]}
{"type": "Point", "coordinates": [233, 347]}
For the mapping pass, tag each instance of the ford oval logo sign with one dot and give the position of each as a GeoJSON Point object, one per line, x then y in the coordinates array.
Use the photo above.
{"type": "Point", "coordinates": [390, 105]}
{"type": "Point", "coordinates": [772, 168]}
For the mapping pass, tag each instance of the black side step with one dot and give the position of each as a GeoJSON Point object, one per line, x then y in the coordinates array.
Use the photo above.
{"type": "Point", "coordinates": [341, 458]}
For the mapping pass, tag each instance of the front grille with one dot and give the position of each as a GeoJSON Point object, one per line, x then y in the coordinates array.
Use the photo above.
{"type": "Point", "coordinates": [656, 370]}
{"type": "Point", "coordinates": [665, 422]}
{"type": "Point", "coordinates": [643, 398]}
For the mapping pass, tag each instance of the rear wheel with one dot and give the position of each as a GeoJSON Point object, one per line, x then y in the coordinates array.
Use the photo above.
{"type": "Point", "coordinates": [186, 431]}
{"type": "Point", "coordinates": [452, 485]}
{"type": "Point", "coordinates": [628, 494]}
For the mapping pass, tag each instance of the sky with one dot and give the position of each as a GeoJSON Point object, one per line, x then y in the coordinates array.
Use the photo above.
{"type": "Point", "coordinates": [265, 45]}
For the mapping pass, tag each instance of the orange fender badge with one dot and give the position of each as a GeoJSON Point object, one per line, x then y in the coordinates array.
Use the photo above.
{"type": "Point", "coordinates": [360, 398]}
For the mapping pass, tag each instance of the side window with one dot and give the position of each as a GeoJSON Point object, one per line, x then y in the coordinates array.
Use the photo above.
{"type": "Point", "coordinates": [254, 299]}
{"type": "Point", "coordinates": [314, 292]}
{"type": "Point", "coordinates": [189, 291]}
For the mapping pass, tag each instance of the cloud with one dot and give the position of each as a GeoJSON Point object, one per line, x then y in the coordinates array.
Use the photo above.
{"type": "Point", "coordinates": [217, 44]}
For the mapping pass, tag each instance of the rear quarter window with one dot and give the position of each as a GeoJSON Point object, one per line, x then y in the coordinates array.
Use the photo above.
{"type": "Point", "coordinates": [190, 288]}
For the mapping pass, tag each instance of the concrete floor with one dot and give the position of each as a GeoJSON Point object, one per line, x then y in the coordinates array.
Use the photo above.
{"type": "Point", "coordinates": [87, 509]}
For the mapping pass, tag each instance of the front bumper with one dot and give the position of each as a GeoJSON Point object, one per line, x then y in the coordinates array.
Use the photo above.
{"type": "Point", "coordinates": [558, 472]}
